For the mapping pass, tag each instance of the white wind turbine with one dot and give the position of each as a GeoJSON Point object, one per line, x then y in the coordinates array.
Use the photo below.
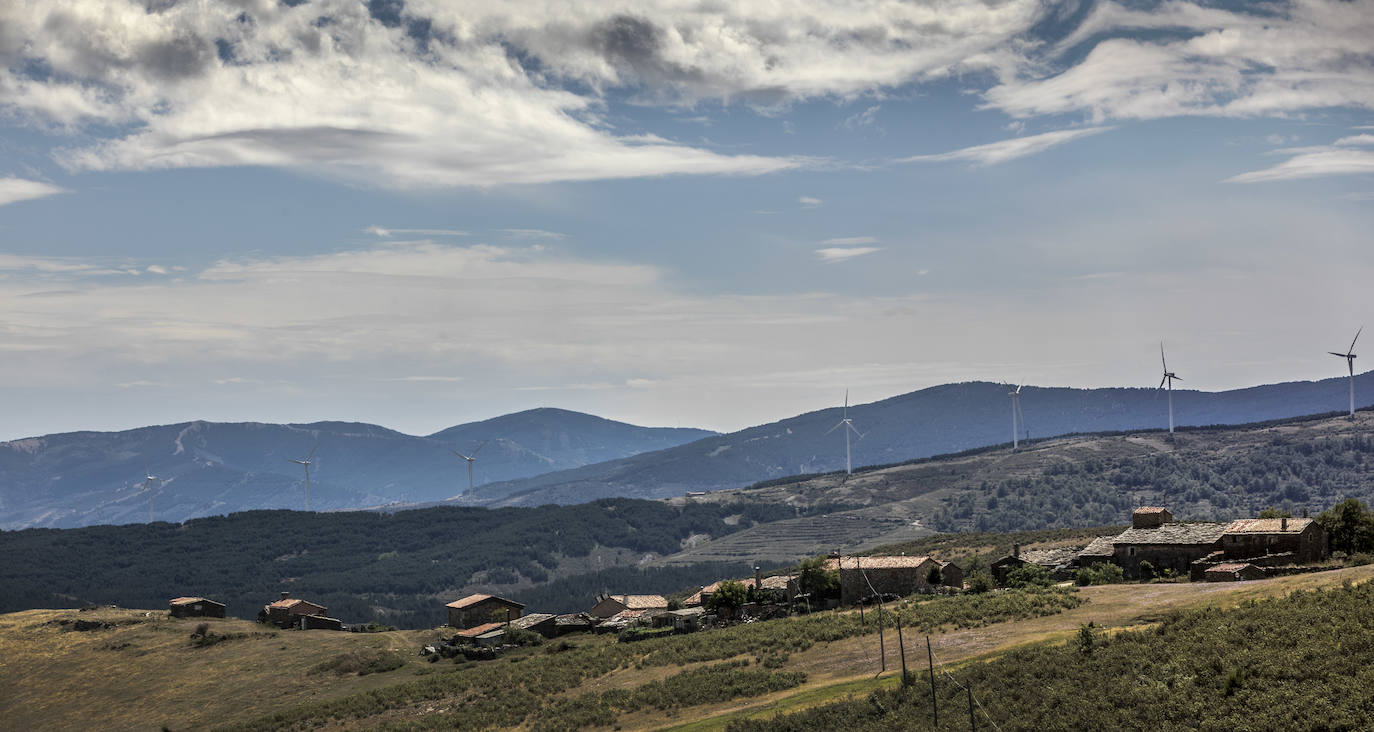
{"type": "Point", "coordinates": [848, 426]}
{"type": "Point", "coordinates": [148, 479]}
{"type": "Point", "coordinates": [470, 460]}
{"type": "Point", "coordinates": [306, 464]}
{"type": "Point", "coordinates": [1016, 414]}
{"type": "Point", "coordinates": [1168, 378]}
{"type": "Point", "coordinates": [1349, 357]}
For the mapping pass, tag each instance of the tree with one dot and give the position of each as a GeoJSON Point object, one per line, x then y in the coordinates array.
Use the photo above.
{"type": "Point", "coordinates": [980, 581]}
{"type": "Point", "coordinates": [813, 577]}
{"type": "Point", "coordinates": [1275, 513]}
{"type": "Point", "coordinates": [1029, 575]}
{"type": "Point", "coordinates": [729, 595]}
{"type": "Point", "coordinates": [1350, 526]}
{"type": "Point", "coordinates": [933, 577]}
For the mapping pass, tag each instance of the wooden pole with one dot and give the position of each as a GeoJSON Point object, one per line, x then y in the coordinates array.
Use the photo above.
{"type": "Point", "coordinates": [901, 648]}
{"type": "Point", "coordinates": [934, 708]}
{"type": "Point", "coordinates": [972, 724]}
{"type": "Point", "coordinates": [882, 647]}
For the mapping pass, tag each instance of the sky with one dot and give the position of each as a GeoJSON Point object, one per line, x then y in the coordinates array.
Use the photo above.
{"type": "Point", "coordinates": [420, 213]}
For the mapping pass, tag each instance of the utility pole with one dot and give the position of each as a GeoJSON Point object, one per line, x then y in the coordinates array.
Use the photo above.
{"type": "Point", "coordinates": [934, 707]}
{"type": "Point", "coordinates": [882, 647]}
{"type": "Point", "coordinates": [972, 724]}
{"type": "Point", "coordinates": [901, 647]}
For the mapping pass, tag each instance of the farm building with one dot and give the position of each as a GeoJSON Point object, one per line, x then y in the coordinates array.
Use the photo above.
{"type": "Point", "coordinates": [609, 605]}
{"type": "Point", "coordinates": [1303, 537]}
{"type": "Point", "coordinates": [861, 577]}
{"type": "Point", "coordinates": [475, 610]}
{"type": "Point", "coordinates": [287, 612]}
{"type": "Point", "coordinates": [687, 620]}
{"type": "Point", "coordinates": [1098, 550]}
{"type": "Point", "coordinates": [1171, 546]}
{"type": "Point", "coordinates": [951, 575]}
{"type": "Point", "coordinates": [1233, 572]}
{"type": "Point", "coordinates": [545, 624]}
{"type": "Point", "coordinates": [195, 607]}
{"type": "Point", "coordinates": [573, 623]}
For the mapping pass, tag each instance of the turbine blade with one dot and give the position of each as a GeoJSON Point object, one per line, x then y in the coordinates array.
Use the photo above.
{"type": "Point", "coordinates": [479, 449]}
{"type": "Point", "coordinates": [832, 429]}
{"type": "Point", "coordinates": [1342, 355]}
{"type": "Point", "coordinates": [1161, 383]}
{"type": "Point", "coordinates": [1161, 356]}
{"type": "Point", "coordinates": [855, 431]}
{"type": "Point", "coordinates": [312, 451]}
{"type": "Point", "coordinates": [1356, 338]}
{"type": "Point", "coordinates": [1175, 377]}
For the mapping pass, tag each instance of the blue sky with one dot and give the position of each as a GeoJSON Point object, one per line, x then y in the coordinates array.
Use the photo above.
{"type": "Point", "coordinates": [426, 213]}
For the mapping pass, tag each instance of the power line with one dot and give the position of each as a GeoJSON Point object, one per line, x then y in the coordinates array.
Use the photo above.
{"type": "Point", "coordinates": [969, 689]}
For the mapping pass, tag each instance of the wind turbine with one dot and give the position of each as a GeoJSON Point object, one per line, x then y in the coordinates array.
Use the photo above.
{"type": "Point", "coordinates": [1349, 357]}
{"type": "Point", "coordinates": [148, 479]}
{"type": "Point", "coordinates": [1016, 414]}
{"type": "Point", "coordinates": [471, 459]}
{"type": "Point", "coordinates": [306, 464]}
{"type": "Point", "coordinates": [1169, 378]}
{"type": "Point", "coordinates": [848, 424]}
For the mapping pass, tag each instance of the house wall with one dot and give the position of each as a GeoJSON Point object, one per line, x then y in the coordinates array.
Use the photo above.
{"type": "Point", "coordinates": [951, 576]}
{"type": "Point", "coordinates": [606, 608]}
{"type": "Point", "coordinates": [1308, 546]}
{"type": "Point", "coordinates": [490, 610]}
{"type": "Point", "coordinates": [197, 610]}
{"type": "Point", "coordinates": [1177, 557]}
{"type": "Point", "coordinates": [901, 581]}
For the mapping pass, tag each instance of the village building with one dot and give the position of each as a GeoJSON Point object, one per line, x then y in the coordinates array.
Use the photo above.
{"type": "Point", "coordinates": [195, 607]}
{"type": "Point", "coordinates": [1098, 550]}
{"type": "Point", "coordinates": [1304, 538]}
{"type": "Point", "coordinates": [951, 575]}
{"type": "Point", "coordinates": [609, 605]}
{"type": "Point", "coordinates": [545, 624]}
{"type": "Point", "coordinates": [573, 623]}
{"type": "Point", "coordinates": [1233, 572]}
{"type": "Point", "coordinates": [288, 611]}
{"type": "Point", "coordinates": [687, 620]}
{"type": "Point", "coordinates": [472, 634]}
{"type": "Point", "coordinates": [1166, 546]}
{"type": "Point", "coordinates": [1058, 562]}
{"type": "Point", "coordinates": [862, 577]}
{"type": "Point", "coordinates": [475, 610]}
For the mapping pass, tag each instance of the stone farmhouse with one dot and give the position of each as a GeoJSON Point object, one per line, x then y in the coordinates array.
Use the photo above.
{"type": "Point", "coordinates": [291, 612]}
{"type": "Point", "coordinates": [479, 609]}
{"type": "Point", "coordinates": [609, 605]}
{"type": "Point", "coordinates": [861, 577]}
{"type": "Point", "coordinates": [195, 607]}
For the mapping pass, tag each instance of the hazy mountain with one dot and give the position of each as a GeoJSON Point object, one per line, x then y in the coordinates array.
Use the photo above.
{"type": "Point", "coordinates": [207, 468]}
{"type": "Point", "coordinates": [934, 421]}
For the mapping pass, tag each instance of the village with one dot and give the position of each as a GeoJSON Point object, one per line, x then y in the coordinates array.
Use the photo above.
{"type": "Point", "coordinates": [1154, 547]}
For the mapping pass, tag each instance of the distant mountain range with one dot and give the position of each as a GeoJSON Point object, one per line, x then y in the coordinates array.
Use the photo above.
{"type": "Point", "coordinates": [939, 420]}
{"type": "Point", "coordinates": [208, 468]}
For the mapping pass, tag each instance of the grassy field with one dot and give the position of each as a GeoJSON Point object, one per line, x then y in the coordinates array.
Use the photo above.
{"type": "Point", "coordinates": [145, 672]}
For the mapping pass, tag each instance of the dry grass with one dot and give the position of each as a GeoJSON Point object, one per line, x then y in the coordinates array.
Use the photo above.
{"type": "Point", "coordinates": [144, 673]}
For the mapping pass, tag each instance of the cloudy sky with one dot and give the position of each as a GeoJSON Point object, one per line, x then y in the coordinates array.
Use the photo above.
{"type": "Point", "coordinates": [425, 212]}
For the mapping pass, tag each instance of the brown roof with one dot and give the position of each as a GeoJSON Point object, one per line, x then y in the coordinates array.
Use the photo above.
{"type": "Point", "coordinates": [1150, 509]}
{"type": "Point", "coordinates": [289, 602]}
{"type": "Point", "coordinates": [477, 630]}
{"type": "Point", "coordinates": [1229, 567]}
{"type": "Point", "coordinates": [471, 600]}
{"type": "Point", "coordinates": [1268, 526]}
{"type": "Point", "coordinates": [897, 562]}
{"type": "Point", "coordinates": [777, 582]}
{"type": "Point", "coordinates": [643, 602]}
{"type": "Point", "coordinates": [188, 600]}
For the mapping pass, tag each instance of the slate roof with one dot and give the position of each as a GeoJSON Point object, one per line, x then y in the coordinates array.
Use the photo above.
{"type": "Point", "coordinates": [524, 622]}
{"type": "Point", "coordinates": [1049, 557]}
{"type": "Point", "coordinates": [575, 619]}
{"type": "Point", "coordinates": [1189, 534]}
{"type": "Point", "coordinates": [471, 600]}
{"type": "Point", "coordinates": [891, 562]}
{"type": "Point", "coordinates": [1268, 526]}
{"type": "Point", "coordinates": [1102, 546]}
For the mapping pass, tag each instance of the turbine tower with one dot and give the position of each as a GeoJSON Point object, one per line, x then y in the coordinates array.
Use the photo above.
{"type": "Point", "coordinates": [1169, 378]}
{"type": "Point", "coordinates": [1349, 357]}
{"type": "Point", "coordinates": [1016, 415]}
{"type": "Point", "coordinates": [471, 459]}
{"type": "Point", "coordinates": [848, 426]}
{"type": "Point", "coordinates": [148, 479]}
{"type": "Point", "coordinates": [306, 464]}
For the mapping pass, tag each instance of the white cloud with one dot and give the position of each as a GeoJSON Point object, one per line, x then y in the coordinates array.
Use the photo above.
{"type": "Point", "coordinates": [1312, 162]}
{"type": "Point", "coordinates": [809, 201]}
{"type": "Point", "coordinates": [13, 190]}
{"type": "Point", "coordinates": [851, 240]}
{"type": "Point", "coordinates": [1356, 140]}
{"type": "Point", "coordinates": [1004, 150]}
{"type": "Point", "coordinates": [841, 254]}
{"type": "Point", "coordinates": [533, 234]}
{"type": "Point", "coordinates": [388, 233]}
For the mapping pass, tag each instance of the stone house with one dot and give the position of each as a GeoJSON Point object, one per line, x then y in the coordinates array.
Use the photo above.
{"type": "Point", "coordinates": [544, 624]}
{"type": "Point", "coordinates": [475, 610]}
{"type": "Point", "coordinates": [1155, 538]}
{"type": "Point", "coordinates": [862, 577]}
{"type": "Point", "coordinates": [287, 612]}
{"type": "Point", "coordinates": [1303, 537]}
{"type": "Point", "coordinates": [195, 607]}
{"type": "Point", "coordinates": [1233, 572]}
{"type": "Point", "coordinates": [609, 605]}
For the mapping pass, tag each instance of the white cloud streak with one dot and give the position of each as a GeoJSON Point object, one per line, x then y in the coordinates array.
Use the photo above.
{"type": "Point", "coordinates": [1003, 150]}
{"type": "Point", "coordinates": [13, 190]}
{"type": "Point", "coordinates": [844, 254]}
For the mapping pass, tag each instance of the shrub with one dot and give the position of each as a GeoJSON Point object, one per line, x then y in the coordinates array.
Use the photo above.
{"type": "Point", "coordinates": [980, 581]}
{"type": "Point", "coordinates": [1029, 575]}
{"type": "Point", "coordinates": [1101, 573]}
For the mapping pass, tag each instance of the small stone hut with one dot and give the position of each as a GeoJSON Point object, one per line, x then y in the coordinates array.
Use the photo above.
{"type": "Point", "coordinates": [862, 577]}
{"type": "Point", "coordinates": [1233, 572]}
{"type": "Point", "coordinates": [286, 612]}
{"type": "Point", "coordinates": [609, 605]}
{"type": "Point", "coordinates": [195, 607]}
{"type": "Point", "coordinates": [475, 610]}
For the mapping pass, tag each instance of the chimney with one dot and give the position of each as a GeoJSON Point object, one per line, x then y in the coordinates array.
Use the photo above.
{"type": "Point", "coordinates": [758, 578]}
{"type": "Point", "coordinates": [1016, 550]}
{"type": "Point", "coordinates": [1283, 524]}
{"type": "Point", "coordinates": [285, 594]}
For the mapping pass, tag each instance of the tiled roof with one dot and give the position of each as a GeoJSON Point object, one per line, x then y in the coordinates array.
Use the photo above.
{"type": "Point", "coordinates": [1268, 526]}
{"type": "Point", "coordinates": [1151, 509]}
{"type": "Point", "coordinates": [643, 602]}
{"type": "Point", "coordinates": [187, 600]}
{"type": "Point", "coordinates": [1102, 546]}
{"type": "Point", "coordinates": [1173, 533]}
{"type": "Point", "coordinates": [777, 582]}
{"type": "Point", "coordinates": [471, 600]}
{"type": "Point", "coordinates": [477, 630]}
{"type": "Point", "coordinates": [891, 562]}
{"type": "Point", "coordinates": [289, 602]}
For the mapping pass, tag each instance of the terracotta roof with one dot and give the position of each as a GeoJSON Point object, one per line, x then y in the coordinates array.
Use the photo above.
{"type": "Point", "coordinates": [1268, 526]}
{"type": "Point", "coordinates": [188, 600]}
{"type": "Point", "coordinates": [1173, 533]}
{"type": "Point", "coordinates": [1150, 509]}
{"type": "Point", "coordinates": [289, 602]}
{"type": "Point", "coordinates": [850, 563]}
{"type": "Point", "coordinates": [641, 602]}
{"type": "Point", "coordinates": [474, 599]}
{"type": "Point", "coordinates": [1102, 546]}
{"type": "Point", "coordinates": [477, 630]}
{"type": "Point", "coordinates": [777, 582]}
{"type": "Point", "coordinates": [1229, 567]}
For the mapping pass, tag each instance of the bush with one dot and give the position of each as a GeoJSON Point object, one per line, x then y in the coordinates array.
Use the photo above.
{"type": "Point", "coordinates": [980, 581]}
{"type": "Point", "coordinates": [522, 637]}
{"type": "Point", "coordinates": [1101, 573]}
{"type": "Point", "coordinates": [361, 662]}
{"type": "Point", "coordinates": [1029, 575]}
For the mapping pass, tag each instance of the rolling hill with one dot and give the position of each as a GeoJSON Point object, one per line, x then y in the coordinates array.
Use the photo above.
{"type": "Point", "coordinates": [209, 468]}
{"type": "Point", "coordinates": [935, 421]}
